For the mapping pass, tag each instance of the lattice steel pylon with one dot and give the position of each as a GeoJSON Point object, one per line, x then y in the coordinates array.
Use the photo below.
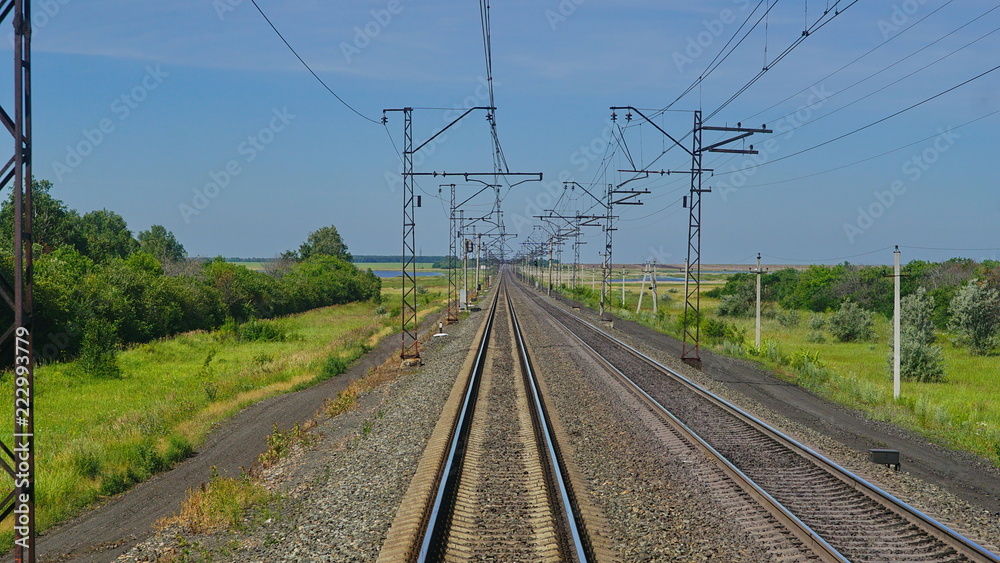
{"type": "Point", "coordinates": [452, 314]}
{"type": "Point", "coordinates": [19, 461]}
{"type": "Point", "coordinates": [410, 346]}
{"type": "Point", "coordinates": [690, 350]}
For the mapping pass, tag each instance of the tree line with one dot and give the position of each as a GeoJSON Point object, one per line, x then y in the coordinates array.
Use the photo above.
{"type": "Point", "coordinates": [96, 286]}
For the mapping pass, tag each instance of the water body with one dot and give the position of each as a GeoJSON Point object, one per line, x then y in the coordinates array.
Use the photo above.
{"type": "Point", "coordinates": [397, 273]}
{"type": "Point", "coordinates": [658, 279]}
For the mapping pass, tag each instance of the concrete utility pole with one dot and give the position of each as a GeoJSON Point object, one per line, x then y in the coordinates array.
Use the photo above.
{"type": "Point", "coordinates": [648, 273]}
{"type": "Point", "coordinates": [895, 327]}
{"type": "Point", "coordinates": [757, 338]}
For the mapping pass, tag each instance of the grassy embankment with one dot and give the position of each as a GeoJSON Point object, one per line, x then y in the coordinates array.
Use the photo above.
{"type": "Point", "coordinates": [963, 412]}
{"type": "Point", "coordinates": [98, 437]}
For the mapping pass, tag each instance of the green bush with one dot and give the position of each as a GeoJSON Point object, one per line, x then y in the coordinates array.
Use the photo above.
{"type": "Point", "coordinates": [916, 312]}
{"type": "Point", "coordinates": [99, 351]}
{"type": "Point", "coordinates": [851, 323]}
{"type": "Point", "coordinates": [260, 331]}
{"type": "Point", "coordinates": [975, 316]}
{"type": "Point", "coordinates": [817, 321]}
{"type": "Point", "coordinates": [788, 319]}
{"type": "Point", "coordinates": [816, 337]}
{"type": "Point", "coordinates": [918, 361]}
{"type": "Point", "coordinates": [333, 366]}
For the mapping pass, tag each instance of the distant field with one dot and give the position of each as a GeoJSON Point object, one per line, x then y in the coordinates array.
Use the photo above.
{"type": "Point", "coordinates": [391, 265]}
{"type": "Point", "coordinates": [258, 266]}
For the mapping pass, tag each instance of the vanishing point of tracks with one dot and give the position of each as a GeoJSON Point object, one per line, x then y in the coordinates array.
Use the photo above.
{"type": "Point", "coordinates": [499, 489]}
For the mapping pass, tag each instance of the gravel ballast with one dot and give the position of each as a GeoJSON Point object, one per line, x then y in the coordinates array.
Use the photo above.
{"type": "Point", "coordinates": [340, 492]}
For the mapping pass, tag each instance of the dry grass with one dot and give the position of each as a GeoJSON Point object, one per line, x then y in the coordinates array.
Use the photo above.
{"type": "Point", "coordinates": [219, 505]}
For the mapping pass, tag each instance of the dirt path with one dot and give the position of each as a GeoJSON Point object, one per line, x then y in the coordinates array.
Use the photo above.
{"type": "Point", "coordinates": [105, 532]}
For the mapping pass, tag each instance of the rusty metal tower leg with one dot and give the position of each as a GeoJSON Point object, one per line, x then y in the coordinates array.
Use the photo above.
{"type": "Point", "coordinates": [609, 228]}
{"type": "Point", "coordinates": [690, 351]}
{"type": "Point", "coordinates": [19, 460]}
{"type": "Point", "coordinates": [452, 262]}
{"type": "Point", "coordinates": [410, 341]}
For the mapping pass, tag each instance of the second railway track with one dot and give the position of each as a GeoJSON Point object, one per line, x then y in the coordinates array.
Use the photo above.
{"type": "Point", "coordinates": [839, 516]}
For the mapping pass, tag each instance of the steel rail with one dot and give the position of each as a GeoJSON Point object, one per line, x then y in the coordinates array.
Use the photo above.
{"type": "Point", "coordinates": [437, 522]}
{"type": "Point", "coordinates": [544, 431]}
{"type": "Point", "coordinates": [953, 539]}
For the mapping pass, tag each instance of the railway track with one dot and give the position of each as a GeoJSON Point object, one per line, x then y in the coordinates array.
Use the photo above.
{"type": "Point", "coordinates": [832, 513]}
{"type": "Point", "coordinates": [498, 490]}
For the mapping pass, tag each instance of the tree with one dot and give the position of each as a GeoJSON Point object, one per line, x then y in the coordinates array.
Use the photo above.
{"type": "Point", "coordinates": [742, 302]}
{"type": "Point", "coordinates": [446, 263]}
{"type": "Point", "coordinates": [325, 241]}
{"type": "Point", "coordinates": [975, 316]}
{"type": "Point", "coordinates": [162, 244]}
{"type": "Point", "coordinates": [53, 224]}
{"type": "Point", "coordinates": [106, 236]}
{"type": "Point", "coordinates": [851, 323]}
{"type": "Point", "coordinates": [919, 360]}
{"type": "Point", "coordinates": [916, 311]}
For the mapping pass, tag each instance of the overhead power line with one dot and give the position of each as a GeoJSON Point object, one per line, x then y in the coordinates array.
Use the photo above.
{"type": "Point", "coordinates": [880, 155]}
{"type": "Point", "coordinates": [872, 124]}
{"type": "Point", "coordinates": [311, 71]}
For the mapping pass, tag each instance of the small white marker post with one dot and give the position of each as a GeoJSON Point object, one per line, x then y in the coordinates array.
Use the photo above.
{"type": "Point", "coordinates": [895, 328]}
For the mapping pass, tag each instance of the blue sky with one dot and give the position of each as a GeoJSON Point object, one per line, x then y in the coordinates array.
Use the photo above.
{"type": "Point", "coordinates": [139, 106]}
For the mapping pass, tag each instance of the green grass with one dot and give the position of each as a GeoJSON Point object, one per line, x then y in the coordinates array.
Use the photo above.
{"type": "Point", "coordinates": [97, 437]}
{"type": "Point", "coordinates": [963, 412]}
